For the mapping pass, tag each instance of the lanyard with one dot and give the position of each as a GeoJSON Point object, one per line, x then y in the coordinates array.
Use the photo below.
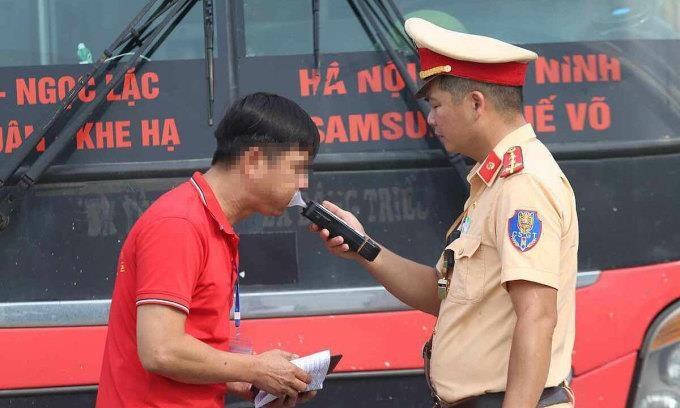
{"type": "Point", "coordinates": [237, 301]}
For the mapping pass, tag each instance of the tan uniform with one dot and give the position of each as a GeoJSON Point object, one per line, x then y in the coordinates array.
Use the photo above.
{"type": "Point", "coordinates": [518, 224]}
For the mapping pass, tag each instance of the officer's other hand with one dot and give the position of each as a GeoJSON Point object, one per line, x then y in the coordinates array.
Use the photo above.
{"type": "Point", "coordinates": [336, 245]}
{"type": "Point", "coordinates": [275, 374]}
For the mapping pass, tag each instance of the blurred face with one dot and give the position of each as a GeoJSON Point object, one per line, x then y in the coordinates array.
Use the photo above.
{"type": "Point", "coordinates": [449, 119]}
{"type": "Point", "coordinates": [285, 173]}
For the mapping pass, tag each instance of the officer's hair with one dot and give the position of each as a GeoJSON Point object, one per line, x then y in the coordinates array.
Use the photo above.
{"type": "Point", "coordinates": [506, 99]}
{"type": "Point", "coordinates": [271, 122]}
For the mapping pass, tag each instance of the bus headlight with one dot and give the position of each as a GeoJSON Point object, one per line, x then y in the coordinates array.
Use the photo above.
{"type": "Point", "coordinates": [658, 369]}
{"type": "Point", "coordinates": [665, 399]}
{"type": "Point", "coordinates": [670, 371]}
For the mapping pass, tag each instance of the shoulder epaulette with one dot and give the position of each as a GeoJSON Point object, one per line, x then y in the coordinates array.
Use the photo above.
{"type": "Point", "coordinates": [513, 162]}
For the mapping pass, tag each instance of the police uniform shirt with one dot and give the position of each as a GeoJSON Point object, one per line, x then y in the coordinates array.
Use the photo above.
{"type": "Point", "coordinates": [519, 223]}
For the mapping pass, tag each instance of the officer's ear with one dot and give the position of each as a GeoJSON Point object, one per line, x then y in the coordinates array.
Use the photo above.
{"type": "Point", "coordinates": [477, 103]}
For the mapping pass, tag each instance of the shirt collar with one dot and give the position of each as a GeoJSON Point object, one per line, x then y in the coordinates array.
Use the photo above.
{"type": "Point", "coordinates": [207, 197]}
{"type": "Point", "coordinates": [488, 169]}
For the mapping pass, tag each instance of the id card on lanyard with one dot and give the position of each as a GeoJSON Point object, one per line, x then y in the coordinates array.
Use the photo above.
{"type": "Point", "coordinates": [238, 344]}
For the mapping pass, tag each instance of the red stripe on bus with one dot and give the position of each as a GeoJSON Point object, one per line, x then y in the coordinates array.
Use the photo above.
{"type": "Point", "coordinates": [613, 316]}
{"type": "Point", "coordinates": [374, 341]}
{"type": "Point", "coordinates": [67, 356]}
{"type": "Point", "coordinates": [46, 357]}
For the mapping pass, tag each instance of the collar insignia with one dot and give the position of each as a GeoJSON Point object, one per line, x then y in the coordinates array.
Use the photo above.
{"type": "Point", "coordinates": [512, 162]}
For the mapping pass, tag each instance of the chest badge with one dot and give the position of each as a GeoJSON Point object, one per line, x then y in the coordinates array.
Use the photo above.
{"type": "Point", "coordinates": [465, 225]}
{"type": "Point", "coordinates": [524, 229]}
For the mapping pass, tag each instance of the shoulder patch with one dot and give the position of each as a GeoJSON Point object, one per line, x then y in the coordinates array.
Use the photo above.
{"type": "Point", "coordinates": [524, 229]}
{"type": "Point", "coordinates": [513, 162]}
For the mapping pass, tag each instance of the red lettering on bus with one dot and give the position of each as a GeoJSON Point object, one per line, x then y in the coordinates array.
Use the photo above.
{"type": "Point", "coordinates": [83, 137]}
{"type": "Point", "coordinates": [333, 83]}
{"type": "Point", "coordinates": [28, 131]}
{"type": "Point", "coordinates": [413, 130]}
{"type": "Point", "coordinates": [170, 135]}
{"type": "Point", "coordinates": [585, 67]}
{"type": "Point", "coordinates": [369, 79]}
{"type": "Point", "coordinates": [151, 135]}
{"type": "Point", "coordinates": [335, 130]}
{"type": "Point", "coordinates": [112, 95]}
{"type": "Point", "coordinates": [549, 69]}
{"type": "Point", "coordinates": [364, 127]}
{"type": "Point", "coordinates": [85, 94]}
{"type": "Point", "coordinates": [64, 85]}
{"type": "Point", "coordinates": [394, 82]}
{"type": "Point", "coordinates": [599, 113]}
{"type": "Point", "coordinates": [130, 90]}
{"type": "Point", "coordinates": [309, 84]}
{"type": "Point", "coordinates": [149, 89]}
{"type": "Point", "coordinates": [13, 140]}
{"type": "Point", "coordinates": [371, 127]}
{"type": "Point", "coordinates": [578, 68]}
{"type": "Point", "coordinates": [319, 125]}
{"type": "Point", "coordinates": [104, 136]}
{"type": "Point", "coordinates": [391, 120]}
{"type": "Point", "coordinates": [610, 68]}
{"type": "Point", "coordinates": [542, 115]}
{"type": "Point", "coordinates": [47, 91]}
{"type": "Point", "coordinates": [576, 113]}
{"type": "Point", "coordinates": [123, 134]}
{"type": "Point", "coordinates": [26, 91]}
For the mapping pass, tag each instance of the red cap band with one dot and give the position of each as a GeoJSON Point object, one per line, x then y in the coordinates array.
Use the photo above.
{"type": "Point", "coordinates": [503, 73]}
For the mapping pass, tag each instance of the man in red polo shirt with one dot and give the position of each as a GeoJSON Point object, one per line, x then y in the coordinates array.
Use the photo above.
{"type": "Point", "coordinates": [169, 323]}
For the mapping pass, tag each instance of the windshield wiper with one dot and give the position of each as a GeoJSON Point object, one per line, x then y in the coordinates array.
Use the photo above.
{"type": "Point", "coordinates": [139, 35]}
{"type": "Point", "coordinates": [366, 13]}
{"type": "Point", "coordinates": [315, 34]}
{"type": "Point", "coordinates": [209, 36]}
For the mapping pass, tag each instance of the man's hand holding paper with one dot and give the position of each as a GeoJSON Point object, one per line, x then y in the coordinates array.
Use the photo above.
{"type": "Point", "coordinates": [316, 365]}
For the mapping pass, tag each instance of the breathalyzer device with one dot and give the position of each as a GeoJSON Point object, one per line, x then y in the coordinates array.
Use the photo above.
{"type": "Point", "coordinates": [357, 242]}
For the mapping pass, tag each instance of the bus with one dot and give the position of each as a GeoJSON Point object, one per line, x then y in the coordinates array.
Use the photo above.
{"type": "Point", "coordinates": [106, 105]}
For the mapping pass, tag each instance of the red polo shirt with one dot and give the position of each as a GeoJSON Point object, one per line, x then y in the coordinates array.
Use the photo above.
{"type": "Point", "coordinates": [182, 253]}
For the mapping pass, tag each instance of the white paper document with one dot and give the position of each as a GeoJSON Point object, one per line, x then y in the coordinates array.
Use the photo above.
{"type": "Point", "coordinates": [315, 364]}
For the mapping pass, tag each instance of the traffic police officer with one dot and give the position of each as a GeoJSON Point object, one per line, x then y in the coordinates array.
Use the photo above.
{"type": "Point", "coordinates": [504, 287]}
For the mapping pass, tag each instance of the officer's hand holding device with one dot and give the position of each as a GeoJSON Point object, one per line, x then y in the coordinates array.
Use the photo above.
{"type": "Point", "coordinates": [324, 219]}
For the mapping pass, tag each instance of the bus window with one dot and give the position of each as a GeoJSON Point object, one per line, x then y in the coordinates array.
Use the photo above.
{"type": "Point", "coordinates": [48, 32]}
{"type": "Point", "coordinates": [591, 53]}
{"type": "Point", "coordinates": [523, 22]}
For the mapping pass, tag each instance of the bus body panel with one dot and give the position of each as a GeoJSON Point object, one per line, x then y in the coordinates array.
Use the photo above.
{"type": "Point", "coordinates": [70, 356]}
{"type": "Point", "coordinates": [605, 386]}
{"type": "Point", "coordinates": [614, 314]}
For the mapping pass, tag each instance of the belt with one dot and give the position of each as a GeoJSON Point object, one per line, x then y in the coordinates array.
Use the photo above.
{"type": "Point", "coordinates": [550, 396]}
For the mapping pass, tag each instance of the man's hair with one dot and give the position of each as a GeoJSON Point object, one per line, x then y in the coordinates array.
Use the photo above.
{"type": "Point", "coordinates": [506, 99]}
{"type": "Point", "coordinates": [264, 120]}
